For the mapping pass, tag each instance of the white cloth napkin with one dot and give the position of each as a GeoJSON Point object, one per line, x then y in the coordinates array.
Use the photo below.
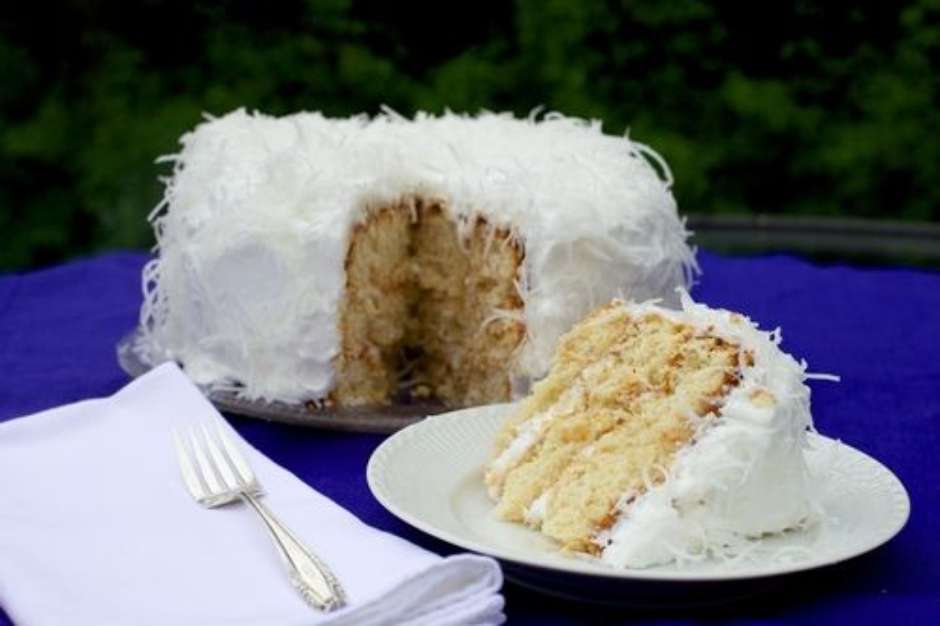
{"type": "Point", "coordinates": [97, 528]}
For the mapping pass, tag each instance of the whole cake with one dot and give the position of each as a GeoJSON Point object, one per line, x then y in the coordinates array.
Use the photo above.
{"type": "Point", "coordinates": [659, 435]}
{"type": "Point", "coordinates": [348, 261]}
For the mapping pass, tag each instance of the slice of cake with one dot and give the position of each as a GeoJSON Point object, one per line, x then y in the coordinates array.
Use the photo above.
{"type": "Point", "coordinates": [658, 435]}
{"type": "Point", "coordinates": [351, 261]}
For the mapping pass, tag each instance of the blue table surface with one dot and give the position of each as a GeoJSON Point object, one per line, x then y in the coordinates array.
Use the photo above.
{"type": "Point", "coordinates": [879, 329]}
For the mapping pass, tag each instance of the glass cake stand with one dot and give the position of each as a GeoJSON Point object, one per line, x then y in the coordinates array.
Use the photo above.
{"type": "Point", "coordinates": [377, 419]}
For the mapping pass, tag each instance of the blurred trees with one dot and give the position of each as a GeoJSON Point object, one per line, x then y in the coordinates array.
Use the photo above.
{"type": "Point", "coordinates": [800, 107]}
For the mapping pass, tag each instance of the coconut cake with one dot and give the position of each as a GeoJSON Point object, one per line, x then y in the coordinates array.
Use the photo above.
{"type": "Point", "coordinates": [659, 435]}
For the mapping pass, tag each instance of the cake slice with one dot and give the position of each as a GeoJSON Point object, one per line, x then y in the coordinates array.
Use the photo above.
{"type": "Point", "coordinates": [658, 435]}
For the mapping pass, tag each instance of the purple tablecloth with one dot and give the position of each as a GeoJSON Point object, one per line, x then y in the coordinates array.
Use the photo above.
{"type": "Point", "coordinates": [878, 329]}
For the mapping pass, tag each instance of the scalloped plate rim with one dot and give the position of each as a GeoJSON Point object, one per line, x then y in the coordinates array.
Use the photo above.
{"type": "Point", "coordinates": [383, 454]}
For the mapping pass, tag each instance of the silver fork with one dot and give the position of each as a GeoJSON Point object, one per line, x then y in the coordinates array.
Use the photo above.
{"type": "Point", "coordinates": [216, 474]}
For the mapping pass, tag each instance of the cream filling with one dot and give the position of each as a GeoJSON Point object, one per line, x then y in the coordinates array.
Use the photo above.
{"type": "Point", "coordinates": [536, 511]}
{"type": "Point", "coordinates": [528, 433]}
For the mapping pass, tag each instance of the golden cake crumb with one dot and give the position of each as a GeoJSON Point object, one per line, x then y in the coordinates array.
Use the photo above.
{"type": "Point", "coordinates": [762, 398]}
{"type": "Point", "coordinates": [431, 306]}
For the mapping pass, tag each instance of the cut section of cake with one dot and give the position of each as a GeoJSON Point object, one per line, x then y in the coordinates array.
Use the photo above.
{"type": "Point", "coordinates": [419, 313]}
{"type": "Point", "coordinates": [659, 435]}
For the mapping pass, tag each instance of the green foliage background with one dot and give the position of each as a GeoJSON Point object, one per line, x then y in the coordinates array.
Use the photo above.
{"type": "Point", "coordinates": [801, 107]}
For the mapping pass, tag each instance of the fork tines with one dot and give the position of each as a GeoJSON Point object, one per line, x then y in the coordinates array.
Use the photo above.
{"type": "Point", "coordinates": [214, 470]}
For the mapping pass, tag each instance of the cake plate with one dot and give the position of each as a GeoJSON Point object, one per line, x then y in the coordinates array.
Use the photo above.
{"type": "Point", "coordinates": [379, 419]}
{"type": "Point", "coordinates": [430, 475]}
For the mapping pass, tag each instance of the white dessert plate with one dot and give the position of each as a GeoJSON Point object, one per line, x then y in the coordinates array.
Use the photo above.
{"type": "Point", "coordinates": [430, 475]}
{"type": "Point", "coordinates": [378, 419]}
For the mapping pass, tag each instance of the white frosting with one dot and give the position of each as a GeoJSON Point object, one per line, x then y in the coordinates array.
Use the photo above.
{"type": "Point", "coordinates": [744, 476]}
{"type": "Point", "coordinates": [253, 231]}
{"type": "Point", "coordinates": [536, 511]}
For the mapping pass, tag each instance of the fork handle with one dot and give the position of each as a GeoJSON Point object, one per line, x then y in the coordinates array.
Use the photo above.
{"type": "Point", "coordinates": [309, 575]}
